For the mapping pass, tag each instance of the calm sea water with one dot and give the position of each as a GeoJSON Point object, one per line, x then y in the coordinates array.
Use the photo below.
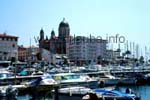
{"type": "Point", "coordinates": [143, 91]}
{"type": "Point", "coordinates": [28, 97]}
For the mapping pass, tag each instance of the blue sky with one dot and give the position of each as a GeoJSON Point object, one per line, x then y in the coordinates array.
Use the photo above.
{"type": "Point", "coordinates": [25, 18]}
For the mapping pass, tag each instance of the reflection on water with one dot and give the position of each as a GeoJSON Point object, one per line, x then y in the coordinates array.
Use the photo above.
{"type": "Point", "coordinates": [41, 97]}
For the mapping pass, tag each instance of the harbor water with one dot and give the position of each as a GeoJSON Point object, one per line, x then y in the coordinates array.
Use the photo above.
{"type": "Point", "coordinates": [143, 91]}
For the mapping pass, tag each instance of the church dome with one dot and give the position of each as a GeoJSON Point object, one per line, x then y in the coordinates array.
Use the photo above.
{"type": "Point", "coordinates": [63, 24]}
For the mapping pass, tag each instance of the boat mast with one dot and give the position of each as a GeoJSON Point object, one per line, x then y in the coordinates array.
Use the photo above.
{"type": "Point", "coordinates": [146, 54]}
{"type": "Point", "coordinates": [137, 51]}
{"type": "Point", "coordinates": [133, 50]}
{"type": "Point", "coordinates": [30, 58]}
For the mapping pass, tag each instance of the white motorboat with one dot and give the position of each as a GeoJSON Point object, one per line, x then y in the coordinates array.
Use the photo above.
{"type": "Point", "coordinates": [8, 92]}
{"type": "Point", "coordinates": [46, 79]}
{"type": "Point", "coordinates": [100, 94]}
{"type": "Point", "coordinates": [128, 81]}
{"type": "Point", "coordinates": [75, 79]}
{"type": "Point", "coordinates": [80, 93]}
{"type": "Point", "coordinates": [109, 79]}
{"type": "Point", "coordinates": [72, 93]}
{"type": "Point", "coordinates": [4, 74]}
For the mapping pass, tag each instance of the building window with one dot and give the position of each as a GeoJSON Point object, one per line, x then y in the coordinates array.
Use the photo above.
{"type": "Point", "coordinates": [15, 39]}
{"type": "Point", "coordinates": [13, 45]}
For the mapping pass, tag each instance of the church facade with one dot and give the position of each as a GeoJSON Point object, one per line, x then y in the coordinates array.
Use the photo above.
{"type": "Point", "coordinates": [55, 44]}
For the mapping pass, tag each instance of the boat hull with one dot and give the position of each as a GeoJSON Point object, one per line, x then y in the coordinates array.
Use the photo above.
{"type": "Point", "coordinates": [109, 82]}
{"type": "Point", "coordinates": [127, 81]}
{"type": "Point", "coordinates": [90, 84]}
{"type": "Point", "coordinates": [68, 96]}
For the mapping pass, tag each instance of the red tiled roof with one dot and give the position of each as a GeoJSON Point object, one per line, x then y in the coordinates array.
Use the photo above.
{"type": "Point", "coordinates": [5, 35]}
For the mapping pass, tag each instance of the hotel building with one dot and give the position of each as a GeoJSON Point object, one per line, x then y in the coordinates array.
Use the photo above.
{"type": "Point", "coordinates": [8, 47]}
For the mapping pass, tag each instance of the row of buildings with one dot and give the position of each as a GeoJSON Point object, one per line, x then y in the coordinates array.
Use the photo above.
{"type": "Point", "coordinates": [26, 54]}
{"type": "Point", "coordinates": [9, 49]}
{"type": "Point", "coordinates": [79, 49]}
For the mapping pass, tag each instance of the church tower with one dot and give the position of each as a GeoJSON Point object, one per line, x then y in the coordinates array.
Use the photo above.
{"type": "Point", "coordinates": [64, 33]}
{"type": "Point", "coordinates": [41, 34]}
{"type": "Point", "coordinates": [41, 43]}
{"type": "Point", "coordinates": [64, 30]}
{"type": "Point", "coordinates": [41, 40]}
{"type": "Point", "coordinates": [52, 34]}
{"type": "Point", "coordinates": [53, 42]}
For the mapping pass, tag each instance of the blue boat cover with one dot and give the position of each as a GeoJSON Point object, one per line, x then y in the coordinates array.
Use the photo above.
{"type": "Point", "coordinates": [114, 93]}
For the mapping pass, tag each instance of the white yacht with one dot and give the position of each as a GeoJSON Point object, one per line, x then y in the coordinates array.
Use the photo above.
{"type": "Point", "coordinates": [72, 93]}
{"type": "Point", "coordinates": [109, 79]}
{"type": "Point", "coordinates": [8, 92]}
{"type": "Point", "coordinates": [75, 79]}
{"type": "Point", "coordinates": [5, 74]}
{"type": "Point", "coordinates": [84, 93]}
{"type": "Point", "coordinates": [46, 79]}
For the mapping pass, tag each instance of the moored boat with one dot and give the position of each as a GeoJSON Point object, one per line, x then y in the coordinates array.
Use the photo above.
{"type": "Point", "coordinates": [43, 80]}
{"type": "Point", "coordinates": [84, 93]}
{"type": "Point", "coordinates": [72, 93]}
{"type": "Point", "coordinates": [8, 92]}
{"type": "Point", "coordinates": [43, 83]}
{"type": "Point", "coordinates": [75, 79]}
{"type": "Point", "coordinates": [128, 81]}
{"type": "Point", "coordinates": [110, 95]}
{"type": "Point", "coordinates": [109, 80]}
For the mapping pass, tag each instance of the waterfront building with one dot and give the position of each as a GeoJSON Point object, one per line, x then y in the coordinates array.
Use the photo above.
{"type": "Point", "coordinates": [84, 50]}
{"type": "Point", "coordinates": [28, 53]}
{"type": "Point", "coordinates": [33, 52]}
{"type": "Point", "coordinates": [8, 47]}
{"type": "Point", "coordinates": [22, 53]}
{"type": "Point", "coordinates": [79, 49]}
{"type": "Point", "coordinates": [112, 55]}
